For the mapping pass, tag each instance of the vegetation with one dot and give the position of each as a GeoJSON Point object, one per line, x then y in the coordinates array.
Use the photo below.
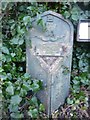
{"type": "Point", "coordinates": [18, 88]}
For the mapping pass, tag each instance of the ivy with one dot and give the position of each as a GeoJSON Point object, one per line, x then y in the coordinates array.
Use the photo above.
{"type": "Point", "coordinates": [18, 87]}
{"type": "Point", "coordinates": [5, 50]}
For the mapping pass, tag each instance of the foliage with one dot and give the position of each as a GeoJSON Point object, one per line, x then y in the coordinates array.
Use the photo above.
{"type": "Point", "coordinates": [18, 87]}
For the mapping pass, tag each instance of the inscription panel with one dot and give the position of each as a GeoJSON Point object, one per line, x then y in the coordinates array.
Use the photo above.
{"type": "Point", "coordinates": [50, 49]}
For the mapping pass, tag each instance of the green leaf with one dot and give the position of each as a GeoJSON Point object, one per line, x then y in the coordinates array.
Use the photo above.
{"type": "Point", "coordinates": [13, 26]}
{"type": "Point", "coordinates": [11, 21]}
{"type": "Point", "coordinates": [20, 31]}
{"type": "Point", "coordinates": [26, 86]}
{"type": "Point", "coordinates": [66, 14]}
{"type": "Point", "coordinates": [76, 82]}
{"type": "Point", "coordinates": [5, 50]}
{"type": "Point", "coordinates": [35, 87]}
{"type": "Point", "coordinates": [23, 92]}
{"type": "Point", "coordinates": [13, 108]}
{"type": "Point", "coordinates": [75, 17]}
{"type": "Point", "coordinates": [16, 99]}
{"type": "Point", "coordinates": [84, 107]}
{"type": "Point", "coordinates": [3, 76]}
{"type": "Point", "coordinates": [41, 108]}
{"type": "Point", "coordinates": [8, 58]}
{"type": "Point", "coordinates": [1, 70]}
{"type": "Point", "coordinates": [13, 54]}
{"type": "Point", "coordinates": [40, 83]}
{"type": "Point", "coordinates": [3, 58]}
{"type": "Point", "coordinates": [75, 10]}
{"type": "Point", "coordinates": [26, 20]}
{"type": "Point", "coordinates": [39, 22]}
{"type": "Point", "coordinates": [21, 41]}
{"type": "Point", "coordinates": [33, 113]}
{"type": "Point", "coordinates": [16, 115]}
{"type": "Point", "coordinates": [9, 76]}
{"type": "Point", "coordinates": [20, 69]}
{"type": "Point", "coordinates": [69, 101]}
{"type": "Point", "coordinates": [29, 8]}
{"type": "Point", "coordinates": [34, 101]}
{"type": "Point", "coordinates": [77, 101]}
{"type": "Point", "coordinates": [10, 90]}
{"type": "Point", "coordinates": [14, 41]}
{"type": "Point", "coordinates": [4, 5]}
{"type": "Point", "coordinates": [26, 75]}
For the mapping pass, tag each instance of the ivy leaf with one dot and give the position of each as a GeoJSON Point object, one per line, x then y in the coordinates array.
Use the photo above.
{"type": "Point", "coordinates": [1, 70]}
{"type": "Point", "coordinates": [26, 86]}
{"type": "Point", "coordinates": [16, 99]}
{"type": "Point", "coordinates": [5, 50]}
{"type": "Point", "coordinates": [10, 90]}
{"type": "Point", "coordinates": [40, 21]}
{"type": "Point", "coordinates": [34, 101]}
{"type": "Point", "coordinates": [23, 92]}
{"type": "Point", "coordinates": [29, 8]}
{"type": "Point", "coordinates": [33, 113]}
{"type": "Point", "coordinates": [41, 108]}
{"type": "Point", "coordinates": [40, 83]}
{"type": "Point", "coordinates": [16, 115]}
{"type": "Point", "coordinates": [66, 14]}
{"type": "Point", "coordinates": [75, 17]}
{"type": "Point", "coordinates": [26, 75]}
{"type": "Point", "coordinates": [13, 108]}
{"type": "Point", "coordinates": [26, 20]}
{"type": "Point", "coordinates": [21, 41]}
{"type": "Point", "coordinates": [13, 26]}
{"type": "Point", "coordinates": [19, 30]}
{"type": "Point", "coordinates": [76, 82]}
{"type": "Point", "coordinates": [13, 54]}
{"type": "Point", "coordinates": [8, 58]}
{"type": "Point", "coordinates": [69, 101]}
{"type": "Point", "coordinates": [11, 21]}
{"type": "Point", "coordinates": [35, 87]}
{"type": "Point", "coordinates": [77, 102]}
{"type": "Point", "coordinates": [14, 41]}
{"type": "Point", "coordinates": [9, 76]}
{"type": "Point", "coordinates": [3, 58]}
{"type": "Point", "coordinates": [4, 5]}
{"type": "Point", "coordinates": [38, 17]}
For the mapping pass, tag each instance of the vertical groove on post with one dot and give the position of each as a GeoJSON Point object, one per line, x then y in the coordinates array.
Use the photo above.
{"type": "Point", "coordinates": [49, 95]}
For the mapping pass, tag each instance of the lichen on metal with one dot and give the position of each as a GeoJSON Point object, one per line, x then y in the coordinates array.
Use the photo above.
{"type": "Point", "coordinates": [50, 57]}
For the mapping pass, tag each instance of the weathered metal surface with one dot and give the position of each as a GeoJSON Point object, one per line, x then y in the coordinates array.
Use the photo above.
{"type": "Point", "coordinates": [49, 58]}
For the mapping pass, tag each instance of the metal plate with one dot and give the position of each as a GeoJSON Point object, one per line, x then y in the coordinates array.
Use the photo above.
{"type": "Point", "coordinates": [83, 31]}
{"type": "Point", "coordinates": [49, 58]}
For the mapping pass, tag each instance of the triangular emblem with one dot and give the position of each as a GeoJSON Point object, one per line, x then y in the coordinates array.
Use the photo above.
{"type": "Point", "coordinates": [49, 60]}
{"type": "Point", "coordinates": [50, 63]}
